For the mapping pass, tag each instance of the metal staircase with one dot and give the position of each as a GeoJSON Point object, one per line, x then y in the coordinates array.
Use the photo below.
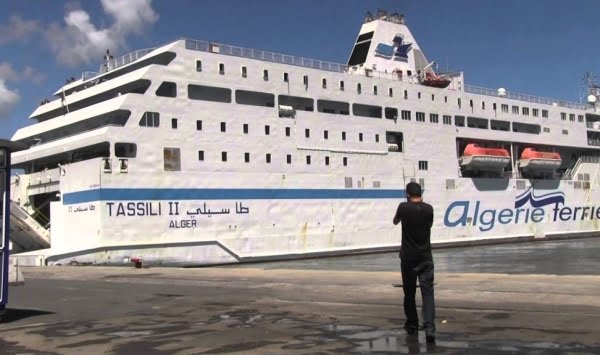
{"type": "Point", "coordinates": [26, 233]}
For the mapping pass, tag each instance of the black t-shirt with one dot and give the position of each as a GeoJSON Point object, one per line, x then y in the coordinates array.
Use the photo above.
{"type": "Point", "coordinates": [417, 219]}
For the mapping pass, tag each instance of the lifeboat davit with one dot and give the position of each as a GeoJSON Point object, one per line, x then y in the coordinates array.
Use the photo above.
{"type": "Point", "coordinates": [435, 81]}
{"type": "Point", "coordinates": [534, 160]}
{"type": "Point", "coordinates": [484, 159]}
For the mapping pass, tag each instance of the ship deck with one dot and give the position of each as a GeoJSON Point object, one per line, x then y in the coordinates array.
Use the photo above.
{"type": "Point", "coordinates": [525, 298]}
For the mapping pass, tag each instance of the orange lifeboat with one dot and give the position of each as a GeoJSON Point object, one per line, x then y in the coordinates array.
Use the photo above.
{"type": "Point", "coordinates": [534, 160]}
{"type": "Point", "coordinates": [476, 158]}
{"type": "Point", "coordinates": [435, 81]}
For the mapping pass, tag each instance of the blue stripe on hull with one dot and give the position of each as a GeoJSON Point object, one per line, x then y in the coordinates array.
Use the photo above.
{"type": "Point", "coordinates": [134, 194]}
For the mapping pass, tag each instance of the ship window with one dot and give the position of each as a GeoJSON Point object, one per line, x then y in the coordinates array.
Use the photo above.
{"type": "Point", "coordinates": [326, 160]}
{"type": "Point", "coordinates": [471, 103]}
{"type": "Point", "coordinates": [580, 118]}
{"type": "Point", "coordinates": [406, 115]}
{"type": "Point", "coordinates": [395, 141]}
{"type": "Point", "coordinates": [546, 130]}
{"type": "Point", "coordinates": [525, 111]}
{"type": "Point", "coordinates": [174, 123]}
{"type": "Point", "coordinates": [366, 110]}
{"type": "Point", "coordinates": [476, 122]}
{"type": "Point", "coordinates": [345, 161]}
{"type": "Point", "coordinates": [326, 134]}
{"type": "Point", "coordinates": [308, 160]}
{"type": "Point", "coordinates": [419, 95]}
{"type": "Point", "coordinates": [245, 128]}
{"type": "Point", "coordinates": [307, 133]}
{"type": "Point", "coordinates": [377, 138]}
{"type": "Point", "coordinates": [244, 72]}
{"type": "Point", "coordinates": [459, 103]}
{"type": "Point", "coordinates": [526, 128]}
{"type": "Point", "coordinates": [406, 94]}
{"type": "Point", "coordinates": [254, 98]}
{"type": "Point", "coordinates": [545, 113]}
{"type": "Point", "coordinates": [494, 106]}
{"type": "Point", "coordinates": [247, 157]}
{"type": "Point", "coordinates": [342, 85]}
{"type": "Point", "coordinates": [167, 89]}
{"type": "Point", "coordinates": [335, 107]}
{"type": "Point", "coordinates": [572, 117]}
{"type": "Point", "coordinates": [221, 68]}
{"type": "Point", "coordinates": [289, 158]}
{"type": "Point", "coordinates": [201, 155]}
{"type": "Point", "coordinates": [267, 130]}
{"type": "Point", "coordinates": [343, 136]}
{"type": "Point", "coordinates": [198, 65]}
{"type": "Point", "coordinates": [348, 182]}
{"type": "Point", "coordinates": [504, 108]}
{"type": "Point", "coordinates": [374, 89]}
{"type": "Point", "coordinates": [286, 77]}
{"type": "Point", "coordinates": [420, 116]}
{"type": "Point", "coordinates": [306, 80]}
{"type": "Point", "coordinates": [298, 103]}
{"type": "Point", "coordinates": [432, 97]}
{"type": "Point", "coordinates": [265, 74]}
{"type": "Point", "coordinates": [459, 121]}
{"type": "Point", "coordinates": [483, 105]}
{"type": "Point", "coordinates": [500, 125]}
{"type": "Point", "coordinates": [288, 131]}
{"type": "Point", "coordinates": [515, 110]}
{"type": "Point", "coordinates": [358, 88]}
{"type": "Point", "coordinates": [423, 165]}
{"type": "Point", "coordinates": [391, 113]}
{"type": "Point", "coordinates": [535, 112]}
{"type": "Point", "coordinates": [223, 126]}
{"type": "Point", "coordinates": [172, 159]}
{"type": "Point", "coordinates": [198, 125]}
{"type": "Point", "coordinates": [360, 137]}
{"type": "Point", "coordinates": [324, 83]}
{"type": "Point", "coordinates": [446, 99]}
{"type": "Point", "coordinates": [447, 119]}
{"type": "Point", "coordinates": [223, 156]}
{"type": "Point", "coordinates": [125, 150]}
{"type": "Point", "coordinates": [434, 118]}
{"type": "Point", "coordinates": [391, 92]}
{"type": "Point", "coordinates": [150, 119]}
{"type": "Point", "coordinates": [268, 158]}
{"type": "Point", "coordinates": [209, 93]}
{"type": "Point", "coordinates": [565, 131]}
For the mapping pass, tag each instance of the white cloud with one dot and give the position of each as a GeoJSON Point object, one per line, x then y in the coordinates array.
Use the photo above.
{"type": "Point", "coordinates": [79, 40]}
{"type": "Point", "coordinates": [18, 29]}
{"type": "Point", "coordinates": [8, 99]}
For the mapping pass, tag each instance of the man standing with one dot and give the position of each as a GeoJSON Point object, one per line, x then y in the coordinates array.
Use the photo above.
{"type": "Point", "coordinates": [416, 259]}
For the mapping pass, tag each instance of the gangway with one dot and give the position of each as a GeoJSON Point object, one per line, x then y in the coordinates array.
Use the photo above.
{"type": "Point", "coordinates": [26, 234]}
{"type": "Point", "coordinates": [6, 147]}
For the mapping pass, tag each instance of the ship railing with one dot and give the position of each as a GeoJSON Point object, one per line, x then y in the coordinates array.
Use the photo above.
{"type": "Point", "coordinates": [124, 60]}
{"type": "Point", "coordinates": [593, 125]}
{"type": "Point", "coordinates": [73, 135]}
{"type": "Point", "coordinates": [594, 142]}
{"type": "Point", "coordinates": [86, 75]}
{"type": "Point", "coordinates": [266, 56]}
{"type": "Point", "coordinates": [524, 97]}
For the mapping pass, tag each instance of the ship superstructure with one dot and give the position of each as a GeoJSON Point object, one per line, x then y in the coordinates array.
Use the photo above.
{"type": "Point", "coordinates": [199, 153]}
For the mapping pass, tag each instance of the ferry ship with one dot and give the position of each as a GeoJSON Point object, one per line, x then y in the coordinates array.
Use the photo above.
{"type": "Point", "coordinates": [200, 153]}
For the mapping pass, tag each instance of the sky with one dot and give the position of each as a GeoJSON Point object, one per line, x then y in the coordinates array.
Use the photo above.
{"type": "Point", "coordinates": [537, 47]}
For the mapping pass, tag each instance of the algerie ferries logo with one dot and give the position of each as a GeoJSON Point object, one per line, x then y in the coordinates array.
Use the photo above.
{"type": "Point", "coordinates": [529, 208]}
{"type": "Point", "coordinates": [398, 50]}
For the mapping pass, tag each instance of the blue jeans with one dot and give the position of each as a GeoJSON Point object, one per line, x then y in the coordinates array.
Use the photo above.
{"type": "Point", "coordinates": [423, 269]}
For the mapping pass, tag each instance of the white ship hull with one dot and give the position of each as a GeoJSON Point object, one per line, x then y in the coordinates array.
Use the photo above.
{"type": "Point", "coordinates": [219, 168]}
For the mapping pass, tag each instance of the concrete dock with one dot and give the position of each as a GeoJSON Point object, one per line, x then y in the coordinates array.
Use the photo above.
{"type": "Point", "coordinates": [271, 309]}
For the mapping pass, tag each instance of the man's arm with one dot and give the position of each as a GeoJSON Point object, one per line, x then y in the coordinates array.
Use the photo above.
{"type": "Point", "coordinates": [397, 217]}
{"type": "Point", "coordinates": [430, 218]}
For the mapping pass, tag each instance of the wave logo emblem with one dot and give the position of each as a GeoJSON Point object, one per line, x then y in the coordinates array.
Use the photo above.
{"type": "Point", "coordinates": [553, 198]}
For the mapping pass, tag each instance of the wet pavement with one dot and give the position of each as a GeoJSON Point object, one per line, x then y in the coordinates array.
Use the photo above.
{"type": "Point", "coordinates": [343, 309]}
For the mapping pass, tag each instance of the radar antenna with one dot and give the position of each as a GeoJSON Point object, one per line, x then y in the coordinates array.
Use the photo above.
{"type": "Point", "coordinates": [591, 90]}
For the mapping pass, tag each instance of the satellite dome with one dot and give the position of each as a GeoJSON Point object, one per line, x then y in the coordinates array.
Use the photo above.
{"type": "Point", "coordinates": [501, 92]}
{"type": "Point", "coordinates": [592, 99]}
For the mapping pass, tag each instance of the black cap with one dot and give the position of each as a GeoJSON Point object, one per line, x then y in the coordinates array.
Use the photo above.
{"type": "Point", "coordinates": [413, 189]}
